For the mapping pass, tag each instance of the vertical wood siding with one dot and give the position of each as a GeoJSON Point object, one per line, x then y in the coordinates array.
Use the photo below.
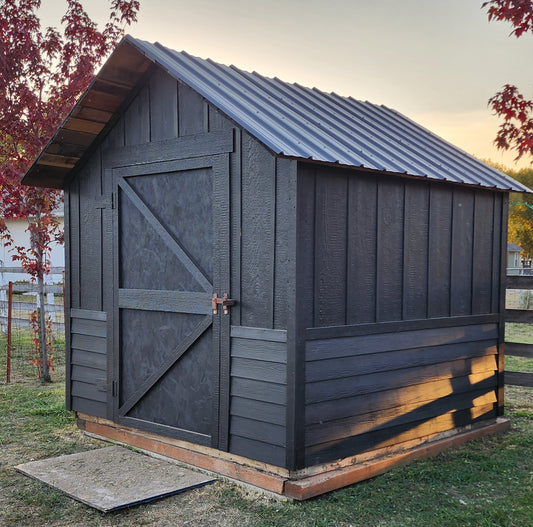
{"type": "Point", "coordinates": [402, 337]}
{"type": "Point", "coordinates": [262, 208]}
{"type": "Point", "coordinates": [388, 249]}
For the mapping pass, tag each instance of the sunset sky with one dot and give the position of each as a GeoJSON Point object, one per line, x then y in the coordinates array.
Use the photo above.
{"type": "Point", "coordinates": [436, 61]}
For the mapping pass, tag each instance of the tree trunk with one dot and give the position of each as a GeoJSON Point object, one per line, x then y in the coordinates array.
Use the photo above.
{"type": "Point", "coordinates": [45, 371]}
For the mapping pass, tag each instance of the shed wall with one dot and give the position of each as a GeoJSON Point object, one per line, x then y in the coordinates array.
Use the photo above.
{"type": "Point", "coordinates": [262, 224]}
{"type": "Point", "coordinates": [402, 295]}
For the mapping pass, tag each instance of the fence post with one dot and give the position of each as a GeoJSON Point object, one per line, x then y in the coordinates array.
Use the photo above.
{"type": "Point", "coordinates": [9, 315]}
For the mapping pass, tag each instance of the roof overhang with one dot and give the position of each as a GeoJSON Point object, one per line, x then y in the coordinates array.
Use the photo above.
{"type": "Point", "coordinates": [92, 113]}
{"type": "Point", "coordinates": [290, 120]}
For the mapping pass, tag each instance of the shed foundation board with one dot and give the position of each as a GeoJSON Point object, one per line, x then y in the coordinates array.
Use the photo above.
{"type": "Point", "coordinates": [298, 485]}
{"type": "Point", "coordinates": [113, 478]}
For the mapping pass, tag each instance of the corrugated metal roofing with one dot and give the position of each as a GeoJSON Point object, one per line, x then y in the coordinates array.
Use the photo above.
{"type": "Point", "coordinates": [300, 122]}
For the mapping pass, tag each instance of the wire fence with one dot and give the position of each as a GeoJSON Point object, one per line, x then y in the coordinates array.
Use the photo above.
{"type": "Point", "coordinates": [18, 351]}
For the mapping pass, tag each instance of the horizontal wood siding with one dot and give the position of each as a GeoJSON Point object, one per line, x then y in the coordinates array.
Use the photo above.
{"type": "Point", "coordinates": [88, 363]}
{"type": "Point", "coordinates": [384, 248]}
{"type": "Point", "coordinates": [370, 391]}
{"type": "Point", "coordinates": [258, 401]}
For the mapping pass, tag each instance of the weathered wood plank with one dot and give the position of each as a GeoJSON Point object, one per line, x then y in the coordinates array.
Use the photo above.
{"type": "Point", "coordinates": [272, 335]}
{"type": "Point", "coordinates": [462, 251]}
{"type": "Point", "coordinates": [258, 430]}
{"type": "Point", "coordinates": [499, 232]}
{"type": "Point", "coordinates": [88, 406]}
{"type": "Point", "coordinates": [378, 343]}
{"type": "Point", "coordinates": [347, 387]}
{"type": "Point", "coordinates": [90, 243]}
{"type": "Point", "coordinates": [383, 419]}
{"type": "Point", "coordinates": [417, 394]}
{"type": "Point", "coordinates": [259, 350]}
{"type": "Point", "coordinates": [169, 431]}
{"type": "Point", "coordinates": [519, 349]}
{"type": "Point", "coordinates": [259, 390]}
{"type": "Point", "coordinates": [396, 360]}
{"type": "Point", "coordinates": [520, 316]}
{"type": "Point", "coordinates": [331, 204]}
{"type": "Point", "coordinates": [259, 370]}
{"type": "Point", "coordinates": [482, 284]}
{"type": "Point", "coordinates": [87, 390]}
{"type": "Point", "coordinates": [440, 232]}
{"type": "Point", "coordinates": [235, 226]}
{"type": "Point", "coordinates": [90, 375]}
{"type": "Point", "coordinates": [97, 361]}
{"type": "Point", "coordinates": [191, 112]}
{"type": "Point", "coordinates": [258, 234]}
{"type": "Point", "coordinates": [285, 218]}
{"type": "Point", "coordinates": [173, 301]}
{"type": "Point", "coordinates": [217, 120]}
{"type": "Point", "coordinates": [137, 119]}
{"type": "Point", "coordinates": [361, 239]}
{"type": "Point", "coordinates": [243, 446]}
{"type": "Point", "coordinates": [93, 328]}
{"type": "Point", "coordinates": [268, 412]}
{"type": "Point", "coordinates": [518, 378]}
{"type": "Point", "coordinates": [89, 343]}
{"type": "Point", "coordinates": [520, 282]}
{"type": "Point", "coordinates": [182, 148]}
{"type": "Point", "coordinates": [398, 326]}
{"type": "Point", "coordinates": [86, 314]}
{"type": "Point", "coordinates": [163, 106]}
{"type": "Point", "coordinates": [389, 279]}
{"type": "Point", "coordinates": [416, 252]}
{"type": "Point", "coordinates": [303, 307]}
{"type": "Point", "coordinates": [395, 435]}
{"type": "Point", "coordinates": [222, 268]}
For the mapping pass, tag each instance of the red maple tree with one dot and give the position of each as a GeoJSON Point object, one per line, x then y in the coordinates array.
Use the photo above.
{"type": "Point", "coordinates": [516, 131]}
{"type": "Point", "coordinates": [42, 73]}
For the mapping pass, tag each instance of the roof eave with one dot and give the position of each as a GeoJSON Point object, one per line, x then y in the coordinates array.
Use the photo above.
{"type": "Point", "coordinates": [92, 112]}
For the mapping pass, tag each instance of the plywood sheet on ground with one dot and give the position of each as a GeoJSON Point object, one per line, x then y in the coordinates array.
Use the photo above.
{"type": "Point", "coordinates": [112, 478]}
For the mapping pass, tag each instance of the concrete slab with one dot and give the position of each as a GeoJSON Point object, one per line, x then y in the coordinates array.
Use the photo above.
{"type": "Point", "coordinates": [112, 478]}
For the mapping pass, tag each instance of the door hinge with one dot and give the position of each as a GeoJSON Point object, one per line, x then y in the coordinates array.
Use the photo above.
{"type": "Point", "coordinates": [114, 388]}
{"type": "Point", "coordinates": [225, 302]}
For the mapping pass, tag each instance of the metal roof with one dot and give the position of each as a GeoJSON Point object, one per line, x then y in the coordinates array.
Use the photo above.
{"type": "Point", "coordinates": [513, 247]}
{"type": "Point", "coordinates": [300, 122]}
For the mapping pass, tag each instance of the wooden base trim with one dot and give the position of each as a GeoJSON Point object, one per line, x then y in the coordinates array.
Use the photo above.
{"type": "Point", "coordinates": [230, 469]}
{"type": "Point", "coordinates": [318, 484]}
{"type": "Point", "coordinates": [300, 485]}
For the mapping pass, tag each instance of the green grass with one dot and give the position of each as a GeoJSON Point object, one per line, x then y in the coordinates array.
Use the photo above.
{"type": "Point", "coordinates": [485, 483]}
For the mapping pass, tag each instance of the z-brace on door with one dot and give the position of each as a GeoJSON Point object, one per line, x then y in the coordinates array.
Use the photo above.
{"type": "Point", "coordinates": [172, 247]}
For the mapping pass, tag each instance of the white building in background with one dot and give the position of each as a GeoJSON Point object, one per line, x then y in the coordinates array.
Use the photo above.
{"type": "Point", "coordinates": [17, 228]}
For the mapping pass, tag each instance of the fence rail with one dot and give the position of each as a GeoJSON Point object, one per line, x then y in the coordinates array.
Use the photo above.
{"type": "Point", "coordinates": [519, 349]}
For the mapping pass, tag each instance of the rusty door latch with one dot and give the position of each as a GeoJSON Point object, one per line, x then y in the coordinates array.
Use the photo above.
{"type": "Point", "coordinates": [225, 302]}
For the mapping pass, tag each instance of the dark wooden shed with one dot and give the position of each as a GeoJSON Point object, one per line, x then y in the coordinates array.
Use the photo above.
{"type": "Point", "coordinates": [354, 260]}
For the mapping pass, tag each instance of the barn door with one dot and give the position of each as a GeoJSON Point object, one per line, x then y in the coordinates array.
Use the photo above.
{"type": "Point", "coordinates": [172, 239]}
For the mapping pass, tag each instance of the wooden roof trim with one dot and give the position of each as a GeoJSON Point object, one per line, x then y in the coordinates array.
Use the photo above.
{"type": "Point", "coordinates": [84, 125]}
{"type": "Point", "coordinates": [93, 112]}
{"type": "Point", "coordinates": [55, 160]}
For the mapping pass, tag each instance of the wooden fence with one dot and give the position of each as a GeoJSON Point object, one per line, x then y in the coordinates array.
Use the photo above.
{"type": "Point", "coordinates": [26, 300]}
{"type": "Point", "coordinates": [521, 316]}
